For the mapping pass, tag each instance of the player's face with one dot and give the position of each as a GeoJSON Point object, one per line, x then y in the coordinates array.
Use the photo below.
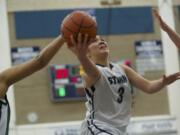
{"type": "Point", "coordinates": [98, 47]}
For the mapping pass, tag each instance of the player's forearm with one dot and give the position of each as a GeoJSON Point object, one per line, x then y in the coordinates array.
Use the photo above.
{"type": "Point", "coordinates": [173, 36]}
{"type": "Point", "coordinates": [89, 67]}
{"type": "Point", "coordinates": [155, 86]}
{"type": "Point", "coordinates": [49, 51]}
{"type": "Point", "coordinates": [18, 72]}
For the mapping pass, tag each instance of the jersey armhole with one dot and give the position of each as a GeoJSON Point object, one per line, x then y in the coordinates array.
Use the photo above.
{"type": "Point", "coordinates": [3, 101]}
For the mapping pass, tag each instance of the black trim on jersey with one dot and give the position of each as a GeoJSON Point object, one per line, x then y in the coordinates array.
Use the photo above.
{"type": "Point", "coordinates": [91, 117]}
{"type": "Point", "coordinates": [90, 128]}
{"type": "Point", "coordinates": [2, 103]}
{"type": "Point", "coordinates": [96, 127]}
{"type": "Point", "coordinates": [88, 96]}
{"type": "Point", "coordinates": [91, 101]}
{"type": "Point", "coordinates": [8, 116]}
{"type": "Point", "coordinates": [100, 65]}
{"type": "Point", "coordinates": [0, 109]}
{"type": "Point", "coordinates": [93, 110]}
{"type": "Point", "coordinates": [6, 103]}
{"type": "Point", "coordinates": [93, 88]}
{"type": "Point", "coordinates": [102, 130]}
{"type": "Point", "coordinates": [88, 93]}
{"type": "Point", "coordinates": [110, 65]}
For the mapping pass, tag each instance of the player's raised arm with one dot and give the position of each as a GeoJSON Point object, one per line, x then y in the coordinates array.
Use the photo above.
{"type": "Point", "coordinates": [77, 28]}
{"type": "Point", "coordinates": [147, 85]}
{"type": "Point", "coordinates": [172, 34]}
{"type": "Point", "coordinates": [16, 73]}
{"type": "Point", "coordinates": [80, 49]}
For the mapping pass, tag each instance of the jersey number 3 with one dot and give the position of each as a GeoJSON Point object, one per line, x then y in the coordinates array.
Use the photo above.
{"type": "Point", "coordinates": [120, 93]}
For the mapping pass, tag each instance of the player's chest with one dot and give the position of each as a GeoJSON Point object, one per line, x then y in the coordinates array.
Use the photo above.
{"type": "Point", "coordinates": [115, 79]}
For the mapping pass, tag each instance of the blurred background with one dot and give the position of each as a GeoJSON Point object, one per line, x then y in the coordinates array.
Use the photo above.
{"type": "Point", "coordinates": [41, 106]}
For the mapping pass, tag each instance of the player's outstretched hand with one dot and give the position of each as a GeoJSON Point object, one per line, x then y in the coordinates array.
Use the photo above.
{"type": "Point", "coordinates": [171, 78]}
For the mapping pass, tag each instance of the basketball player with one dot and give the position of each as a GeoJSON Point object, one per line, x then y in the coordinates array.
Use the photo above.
{"type": "Point", "coordinates": [16, 73]}
{"type": "Point", "coordinates": [172, 34]}
{"type": "Point", "coordinates": [108, 88]}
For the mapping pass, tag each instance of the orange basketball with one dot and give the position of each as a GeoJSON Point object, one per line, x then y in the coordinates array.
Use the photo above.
{"type": "Point", "coordinates": [78, 22]}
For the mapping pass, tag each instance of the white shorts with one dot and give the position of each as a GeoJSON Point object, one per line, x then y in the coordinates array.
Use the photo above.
{"type": "Point", "coordinates": [93, 128]}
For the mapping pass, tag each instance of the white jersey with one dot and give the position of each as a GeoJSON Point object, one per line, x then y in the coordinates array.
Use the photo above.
{"type": "Point", "coordinates": [4, 116]}
{"type": "Point", "coordinates": [109, 102]}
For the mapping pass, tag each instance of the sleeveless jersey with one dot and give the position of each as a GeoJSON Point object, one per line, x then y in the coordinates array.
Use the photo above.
{"type": "Point", "coordinates": [109, 101]}
{"type": "Point", "coordinates": [4, 116]}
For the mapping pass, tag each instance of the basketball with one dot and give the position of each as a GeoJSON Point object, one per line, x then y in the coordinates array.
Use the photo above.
{"type": "Point", "coordinates": [78, 22]}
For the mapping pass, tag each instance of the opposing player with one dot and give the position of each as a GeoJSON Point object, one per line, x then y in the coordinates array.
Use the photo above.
{"type": "Point", "coordinates": [16, 73]}
{"type": "Point", "coordinates": [108, 87]}
{"type": "Point", "coordinates": [172, 34]}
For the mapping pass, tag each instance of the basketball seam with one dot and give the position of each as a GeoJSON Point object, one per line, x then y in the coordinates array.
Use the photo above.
{"type": "Point", "coordinates": [67, 28]}
{"type": "Point", "coordinates": [80, 24]}
{"type": "Point", "coordinates": [87, 27]}
{"type": "Point", "coordinates": [82, 20]}
{"type": "Point", "coordinates": [75, 21]}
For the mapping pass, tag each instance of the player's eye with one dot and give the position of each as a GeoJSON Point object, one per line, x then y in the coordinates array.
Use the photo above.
{"type": "Point", "coordinates": [96, 39]}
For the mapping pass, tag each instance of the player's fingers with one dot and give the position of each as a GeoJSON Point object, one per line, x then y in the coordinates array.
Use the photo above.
{"type": "Point", "coordinates": [79, 38]}
{"type": "Point", "coordinates": [79, 41]}
{"type": "Point", "coordinates": [72, 40]}
{"type": "Point", "coordinates": [176, 74]}
{"type": "Point", "coordinates": [85, 41]}
{"type": "Point", "coordinates": [177, 78]}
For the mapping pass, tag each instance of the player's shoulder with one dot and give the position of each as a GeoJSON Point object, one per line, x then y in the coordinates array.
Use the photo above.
{"type": "Point", "coordinates": [99, 66]}
{"type": "Point", "coordinates": [1, 76]}
{"type": "Point", "coordinates": [116, 65]}
{"type": "Point", "coordinates": [123, 66]}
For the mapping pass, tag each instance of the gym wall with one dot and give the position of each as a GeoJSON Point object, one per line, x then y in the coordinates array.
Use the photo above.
{"type": "Point", "coordinates": [33, 93]}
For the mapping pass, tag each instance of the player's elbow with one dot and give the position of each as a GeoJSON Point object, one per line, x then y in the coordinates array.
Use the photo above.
{"type": "Point", "coordinates": [149, 89]}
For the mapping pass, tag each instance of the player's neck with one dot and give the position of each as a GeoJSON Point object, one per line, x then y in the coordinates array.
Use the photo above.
{"type": "Point", "coordinates": [104, 63]}
{"type": "Point", "coordinates": [101, 60]}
